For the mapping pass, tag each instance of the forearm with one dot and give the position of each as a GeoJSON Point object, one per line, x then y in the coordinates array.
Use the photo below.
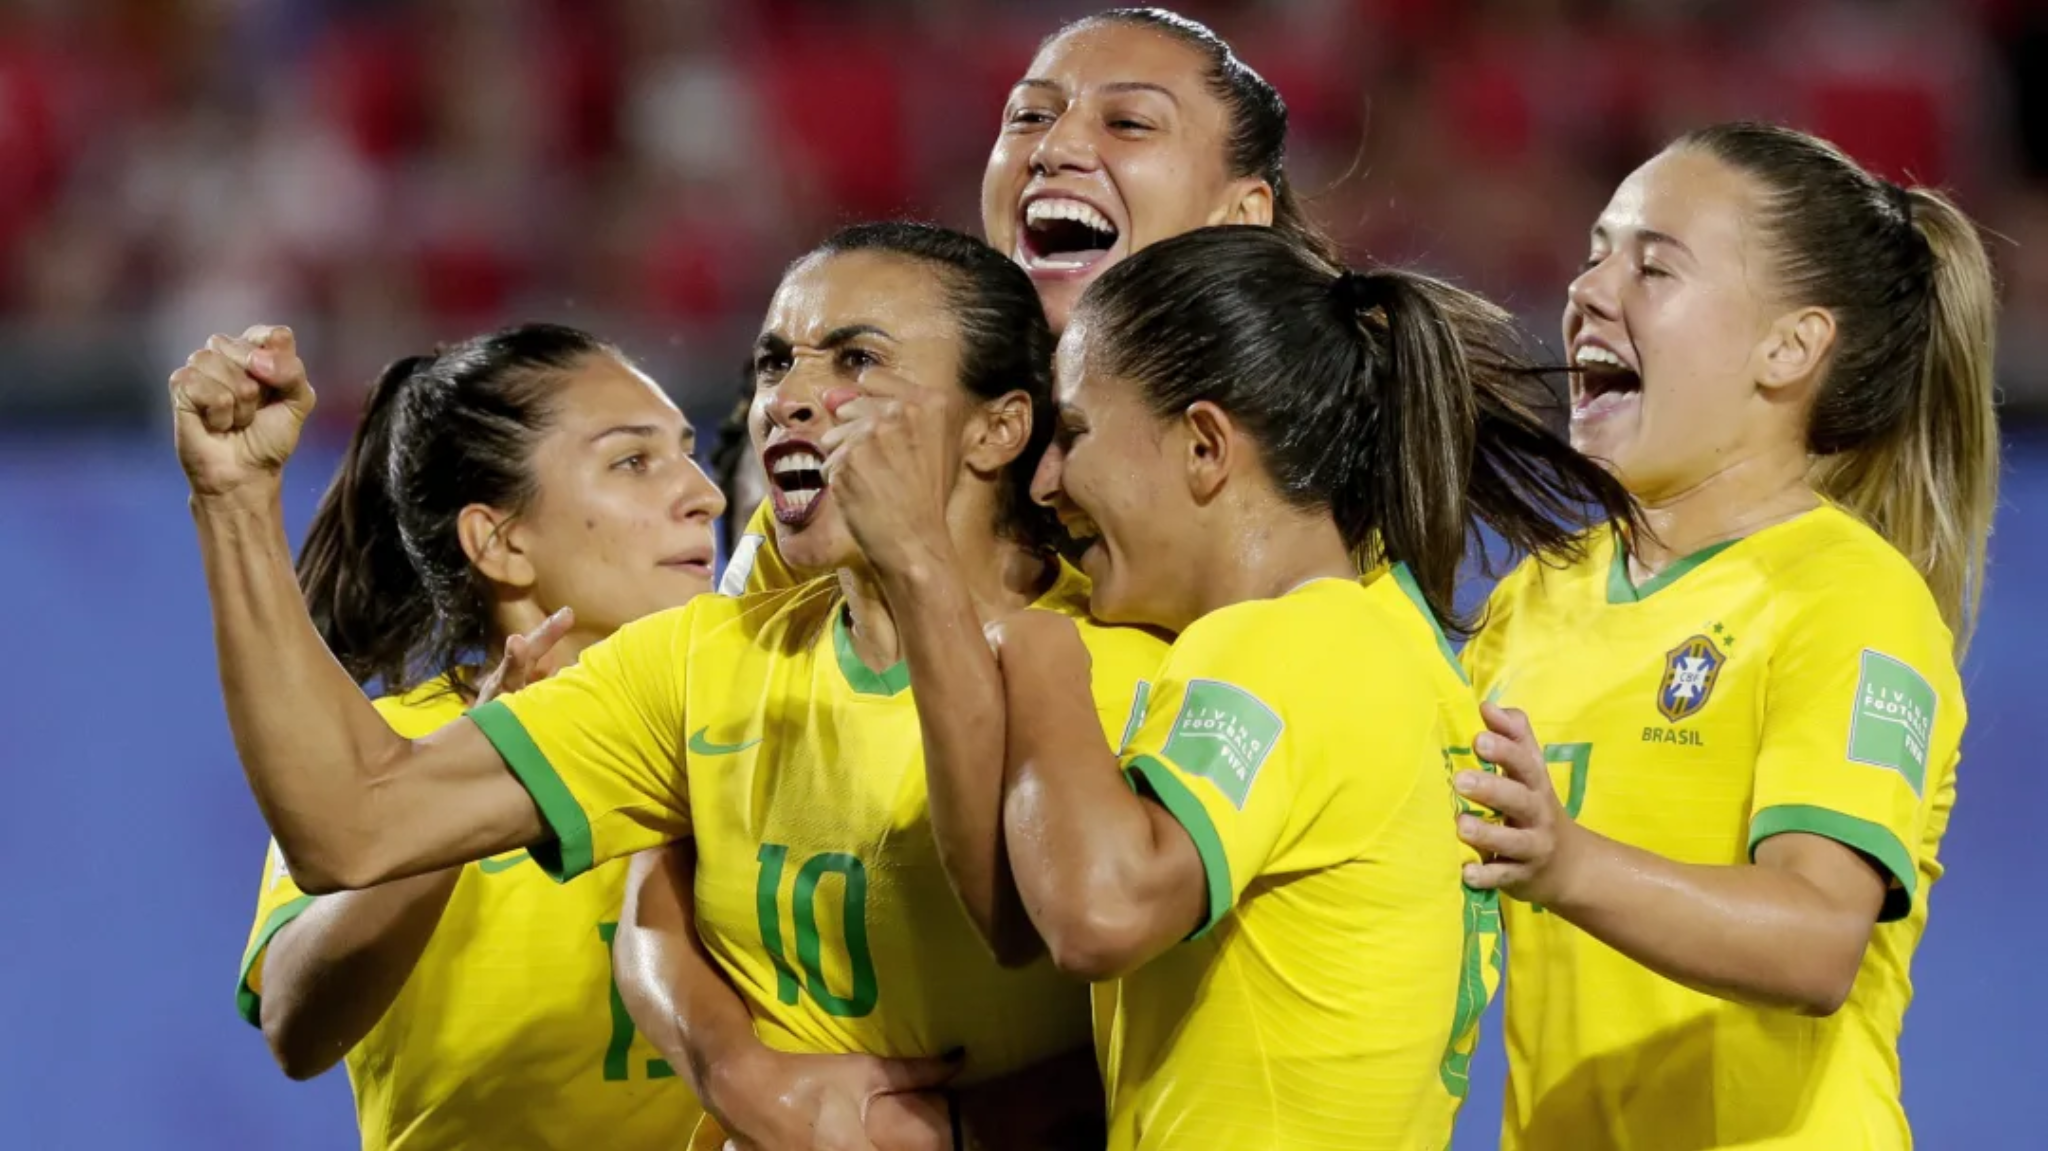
{"type": "Point", "coordinates": [1085, 849]}
{"type": "Point", "coordinates": [1057, 1103]}
{"type": "Point", "coordinates": [1751, 933]}
{"type": "Point", "coordinates": [959, 689]}
{"type": "Point", "coordinates": [331, 974]}
{"type": "Point", "coordinates": [671, 986]}
{"type": "Point", "coordinates": [309, 741]}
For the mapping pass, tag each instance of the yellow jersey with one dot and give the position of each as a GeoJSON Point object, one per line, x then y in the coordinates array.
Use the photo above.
{"type": "Point", "coordinates": [1331, 997]}
{"type": "Point", "coordinates": [1798, 680]}
{"type": "Point", "coordinates": [508, 1033]}
{"type": "Point", "coordinates": [756, 563]}
{"type": "Point", "coordinates": [751, 725]}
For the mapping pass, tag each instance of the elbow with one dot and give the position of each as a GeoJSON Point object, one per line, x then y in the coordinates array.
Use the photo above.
{"type": "Point", "coordinates": [294, 1048]}
{"type": "Point", "coordinates": [1096, 941]}
{"type": "Point", "coordinates": [316, 873]}
{"type": "Point", "coordinates": [1825, 992]}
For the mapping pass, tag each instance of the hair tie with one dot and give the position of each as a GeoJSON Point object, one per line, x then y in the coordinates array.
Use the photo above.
{"type": "Point", "coordinates": [1357, 292]}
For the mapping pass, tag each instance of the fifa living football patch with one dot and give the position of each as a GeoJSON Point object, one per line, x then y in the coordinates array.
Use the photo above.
{"type": "Point", "coordinates": [1894, 718]}
{"type": "Point", "coordinates": [1223, 734]}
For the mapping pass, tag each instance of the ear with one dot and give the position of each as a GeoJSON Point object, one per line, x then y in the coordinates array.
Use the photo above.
{"type": "Point", "coordinates": [999, 432]}
{"type": "Point", "coordinates": [1796, 348]}
{"type": "Point", "coordinates": [495, 545]}
{"type": "Point", "coordinates": [1213, 445]}
{"type": "Point", "coordinates": [1249, 201]}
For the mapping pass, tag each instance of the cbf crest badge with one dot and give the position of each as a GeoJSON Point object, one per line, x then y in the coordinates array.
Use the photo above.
{"type": "Point", "coordinates": [1690, 672]}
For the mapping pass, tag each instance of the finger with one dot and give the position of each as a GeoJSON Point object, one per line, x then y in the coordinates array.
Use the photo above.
{"type": "Point", "coordinates": [1503, 843]}
{"type": "Point", "coordinates": [1512, 746]}
{"type": "Point", "coordinates": [1516, 802]}
{"type": "Point", "coordinates": [837, 399]}
{"type": "Point", "coordinates": [1494, 876]}
{"type": "Point", "coordinates": [207, 398]}
{"type": "Point", "coordinates": [895, 1075]}
{"type": "Point", "coordinates": [542, 639]}
{"type": "Point", "coordinates": [226, 362]}
{"type": "Point", "coordinates": [275, 360]}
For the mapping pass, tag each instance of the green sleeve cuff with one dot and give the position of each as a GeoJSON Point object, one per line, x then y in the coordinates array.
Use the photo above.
{"type": "Point", "coordinates": [568, 855]}
{"type": "Point", "coordinates": [1873, 840]}
{"type": "Point", "coordinates": [248, 1004]}
{"type": "Point", "coordinates": [1179, 802]}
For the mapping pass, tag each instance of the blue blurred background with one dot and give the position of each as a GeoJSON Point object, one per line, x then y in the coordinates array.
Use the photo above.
{"type": "Point", "coordinates": [385, 174]}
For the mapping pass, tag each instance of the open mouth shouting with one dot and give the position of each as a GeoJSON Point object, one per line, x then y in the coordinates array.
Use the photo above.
{"type": "Point", "coordinates": [796, 481]}
{"type": "Point", "coordinates": [1063, 237]}
{"type": "Point", "coordinates": [1603, 381]}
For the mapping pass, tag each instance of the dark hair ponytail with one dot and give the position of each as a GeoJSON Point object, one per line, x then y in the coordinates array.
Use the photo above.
{"type": "Point", "coordinates": [383, 568]}
{"type": "Point", "coordinates": [359, 584]}
{"type": "Point", "coordinates": [1398, 402]}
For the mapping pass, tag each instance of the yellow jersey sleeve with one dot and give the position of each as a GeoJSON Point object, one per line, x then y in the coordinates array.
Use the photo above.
{"type": "Point", "coordinates": [1862, 714]}
{"type": "Point", "coordinates": [756, 563]}
{"type": "Point", "coordinates": [422, 711]}
{"type": "Point", "coordinates": [278, 902]}
{"type": "Point", "coordinates": [1211, 748]}
{"type": "Point", "coordinates": [599, 745]}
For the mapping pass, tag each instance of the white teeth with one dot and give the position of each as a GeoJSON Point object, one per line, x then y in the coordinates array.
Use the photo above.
{"type": "Point", "coordinates": [1039, 211]}
{"type": "Point", "coordinates": [1591, 354]}
{"type": "Point", "coordinates": [798, 462]}
{"type": "Point", "coordinates": [800, 499]}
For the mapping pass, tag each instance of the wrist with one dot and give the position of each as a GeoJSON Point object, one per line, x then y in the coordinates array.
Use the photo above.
{"type": "Point", "coordinates": [1571, 863]}
{"type": "Point", "coordinates": [262, 498]}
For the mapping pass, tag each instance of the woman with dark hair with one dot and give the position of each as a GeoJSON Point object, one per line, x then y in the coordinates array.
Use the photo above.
{"type": "Point", "coordinates": [1129, 126]}
{"type": "Point", "coordinates": [1262, 872]}
{"type": "Point", "coordinates": [529, 484]}
{"type": "Point", "coordinates": [1755, 700]}
{"type": "Point", "coordinates": [773, 731]}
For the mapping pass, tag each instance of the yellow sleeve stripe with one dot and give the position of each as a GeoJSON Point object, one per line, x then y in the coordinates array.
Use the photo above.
{"type": "Point", "coordinates": [568, 856]}
{"type": "Point", "coordinates": [247, 1002]}
{"type": "Point", "coordinates": [1873, 840]}
{"type": "Point", "coordinates": [1188, 811]}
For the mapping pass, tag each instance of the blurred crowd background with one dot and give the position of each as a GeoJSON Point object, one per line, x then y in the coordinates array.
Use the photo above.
{"type": "Point", "coordinates": [385, 173]}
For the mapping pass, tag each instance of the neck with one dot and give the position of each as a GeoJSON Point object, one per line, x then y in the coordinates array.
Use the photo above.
{"type": "Point", "coordinates": [1267, 552]}
{"type": "Point", "coordinates": [1737, 500]}
{"type": "Point", "coordinates": [1001, 576]}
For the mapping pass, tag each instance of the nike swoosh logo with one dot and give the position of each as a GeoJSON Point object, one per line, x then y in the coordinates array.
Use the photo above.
{"type": "Point", "coordinates": [703, 746]}
{"type": "Point", "coordinates": [494, 866]}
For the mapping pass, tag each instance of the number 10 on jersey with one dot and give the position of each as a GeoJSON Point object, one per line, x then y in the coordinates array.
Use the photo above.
{"type": "Point", "coordinates": [802, 905]}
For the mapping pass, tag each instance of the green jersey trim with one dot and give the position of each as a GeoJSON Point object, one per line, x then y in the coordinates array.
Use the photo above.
{"type": "Point", "coordinates": [1621, 589]}
{"type": "Point", "coordinates": [568, 855]}
{"type": "Point", "coordinates": [863, 679]}
{"type": "Point", "coordinates": [1873, 840]}
{"type": "Point", "coordinates": [1413, 591]}
{"type": "Point", "coordinates": [1188, 811]}
{"type": "Point", "coordinates": [248, 1004]}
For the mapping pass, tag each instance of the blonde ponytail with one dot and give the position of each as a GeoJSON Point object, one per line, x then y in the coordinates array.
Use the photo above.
{"type": "Point", "coordinates": [1931, 487]}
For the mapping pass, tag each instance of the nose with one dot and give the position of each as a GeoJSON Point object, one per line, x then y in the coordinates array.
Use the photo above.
{"type": "Point", "coordinates": [1045, 480]}
{"type": "Point", "coordinates": [794, 401]}
{"type": "Point", "coordinates": [1067, 146]}
{"type": "Point", "coordinates": [697, 497]}
{"type": "Point", "coordinates": [1592, 291]}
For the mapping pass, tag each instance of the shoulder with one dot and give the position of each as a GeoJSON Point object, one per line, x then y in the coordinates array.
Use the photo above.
{"type": "Point", "coordinates": [1829, 572]}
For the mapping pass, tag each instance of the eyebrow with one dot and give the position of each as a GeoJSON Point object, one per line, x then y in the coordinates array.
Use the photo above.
{"type": "Point", "coordinates": [776, 342]}
{"type": "Point", "coordinates": [1114, 86]}
{"type": "Point", "coordinates": [644, 431]}
{"type": "Point", "coordinates": [1647, 236]}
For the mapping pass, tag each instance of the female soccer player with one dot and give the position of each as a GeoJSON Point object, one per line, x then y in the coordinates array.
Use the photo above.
{"type": "Point", "coordinates": [773, 730]}
{"type": "Point", "coordinates": [489, 485]}
{"type": "Point", "coordinates": [1129, 126]}
{"type": "Point", "coordinates": [1264, 863]}
{"type": "Point", "coordinates": [1754, 703]}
